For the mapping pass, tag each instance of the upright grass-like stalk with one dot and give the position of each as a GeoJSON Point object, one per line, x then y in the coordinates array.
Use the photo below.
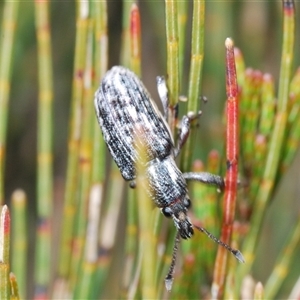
{"type": "Point", "coordinates": [135, 40]}
{"type": "Point", "coordinates": [231, 178]}
{"type": "Point", "coordinates": [70, 202]}
{"type": "Point", "coordinates": [268, 105]}
{"type": "Point", "coordinates": [8, 284]}
{"type": "Point", "coordinates": [4, 253]}
{"type": "Point", "coordinates": [259, 147]}
{"type": "Point", "coordinates": [101, 62]}
{"type": "Point", "coordinates": [253, 80]}
{"type": "Point", "coordinates": [132, 258]}
{"type": "Point", "coordinates": [19, 239]}
{"type": "Point", "coordinates": [96, 194]}
{"type": "Point", "coordinates": [195, 76]}
{"type": "Point", "coordinates": [240, 67]}
{"type": "Point", "coordinates": [172, 58]}
{"type": "Point", "coordinates": [44, 149]}
{"type": "Point", "coordinates": [85, 171]}
{"type": "Point", "coordinates": [293, 127]}
{"type": "Point", "coordinates": [182, 24]}
{"type": "Point", "coordinates": [9, 21]}
{"type": "Point", "coordinates": [147, 239]}
{"type": "Point", "coordinates": [126, 32]}
{"type": "Point", "coordinates": [109, 226]}
{"type": "Point", "coordinates": [113, 194]}
{"type": "Point", "coordinates": [276, 140]}
{"type": "Point", "coordinates": [99, 166]}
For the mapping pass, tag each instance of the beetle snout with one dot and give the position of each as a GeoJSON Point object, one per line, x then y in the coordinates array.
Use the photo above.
{"type": "Point", "coordinates": [184, 225]}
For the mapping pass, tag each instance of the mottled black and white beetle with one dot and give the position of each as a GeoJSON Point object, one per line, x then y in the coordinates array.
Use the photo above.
{"type": "Point", "coordinates": [122, 105]}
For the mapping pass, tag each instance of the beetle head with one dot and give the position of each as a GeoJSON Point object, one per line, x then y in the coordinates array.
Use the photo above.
{"type": "Point", "coordinates": [178, 211]}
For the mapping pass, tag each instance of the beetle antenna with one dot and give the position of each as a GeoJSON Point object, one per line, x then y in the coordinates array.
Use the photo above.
{"type": "Point", "coordinates": [169, 277]}
{"type": "Point", "coordinates": [237, 253]}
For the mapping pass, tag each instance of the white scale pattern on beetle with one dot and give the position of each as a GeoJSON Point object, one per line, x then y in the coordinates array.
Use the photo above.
{"type": "Point", "coordinates": [123, 106]}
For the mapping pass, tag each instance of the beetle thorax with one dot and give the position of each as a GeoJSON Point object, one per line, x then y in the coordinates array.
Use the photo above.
{"type": "Point", "coordinates": [165, 182]}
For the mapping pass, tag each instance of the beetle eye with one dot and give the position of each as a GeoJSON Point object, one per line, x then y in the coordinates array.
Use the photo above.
{"type": "Point", "coordinates": [187, 203]}
{"type": "Point", "coordinates": [167, 211]}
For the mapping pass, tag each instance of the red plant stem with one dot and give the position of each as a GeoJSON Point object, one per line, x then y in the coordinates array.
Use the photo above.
{"type": "Point", "coordinates": [135, 39]}
{"type": "Point", "coordinates": [4, 252]}
{"type": "Point", "coordinates": [4, 234]}
{"type": "Point", "coordinates": [232, 168]}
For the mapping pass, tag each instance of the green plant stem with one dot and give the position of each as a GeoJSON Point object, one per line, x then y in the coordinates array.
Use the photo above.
{"type": "Point", "coordinates": [101, 62]}
{"type": "Point", "coordinates": [172, 58]}
{"type": "Point", "coordinates": [4, 253]}
{"type": "Point", "coordinates": [266, 116]}
{"type": "Point", "coordinates": [240, 66]}
{"type": "Point", "coordinates": [291, 144]}
{"type": "Point", "coordinates": [251, 119]}
{"type": "Point", "coordinates": [132, 258]}
{"type": "Point", "coordinates": [99, 149]}
{"type": "Point", "coordinates": [125, 48]}
{"type": "Point", "coordinates": [109, 229]}
{"type": "Point", "coordinates": [267, 106]}
{"type": "Point", "coordinates": [147, 239]}
{"type": "Point", "coordinates": [85, 226]}
{"type": "Point", "coordinates": [86, 284]}
{"type": "Point", "coordinates": [20, 239]}
{"type": "Point", "coordinates": [208, 215]}
{"type": "Point", "coordinates": [131, 243]}
{"type": "Point", "coordinates": [182, 22]}
{"type": "Point", "coordinates": [195, 77]}
{"type": "Point", "coordinates": [9, 20]}
{"type": "Point", "coordinates": [70, 204]}
{"type": "Point", "coordinates": [44, 164]}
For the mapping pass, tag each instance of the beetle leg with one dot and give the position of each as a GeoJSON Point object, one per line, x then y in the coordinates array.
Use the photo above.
{"type": "Point", "coordinates": [184, 130]}
{"type": "Point", "coordinates": [207, 178]}
{"type": "Point", "coordinates": [163, 94]}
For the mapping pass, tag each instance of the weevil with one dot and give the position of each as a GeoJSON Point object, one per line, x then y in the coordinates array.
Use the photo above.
{"type": "Point", "coordinates": [122, 105]}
